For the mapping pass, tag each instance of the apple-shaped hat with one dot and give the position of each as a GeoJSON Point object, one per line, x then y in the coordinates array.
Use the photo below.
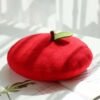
{"type": "Point", "coordinates": [49, 56]}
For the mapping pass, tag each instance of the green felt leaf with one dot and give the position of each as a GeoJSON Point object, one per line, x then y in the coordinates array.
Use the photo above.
{"type": "Point", "coordinates": [62, 35]}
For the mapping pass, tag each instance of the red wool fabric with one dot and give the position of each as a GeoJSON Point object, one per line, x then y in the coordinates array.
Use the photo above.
{"type": "Point", "coordinates": [38, 57]}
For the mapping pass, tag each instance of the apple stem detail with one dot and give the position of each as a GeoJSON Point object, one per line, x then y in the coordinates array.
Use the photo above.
{"type": "Point", "coordinates": [52, 35]}
{"type": "Point", "coordinates": [59, 35]}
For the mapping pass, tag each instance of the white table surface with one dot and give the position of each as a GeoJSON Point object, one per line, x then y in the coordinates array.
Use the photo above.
{"type": "Point", "coordinates": [84, 87]}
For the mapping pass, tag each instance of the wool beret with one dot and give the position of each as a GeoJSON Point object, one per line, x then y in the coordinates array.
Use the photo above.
{"type": "Point", "coordinates": [49, 56]}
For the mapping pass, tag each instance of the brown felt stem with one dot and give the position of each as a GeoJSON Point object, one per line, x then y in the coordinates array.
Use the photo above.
{"type": "Point", "coordinates": [52, 35]}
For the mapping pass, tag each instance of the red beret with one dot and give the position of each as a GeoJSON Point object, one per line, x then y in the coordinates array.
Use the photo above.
{"type": "Point", "coordinates": [49, 57]}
